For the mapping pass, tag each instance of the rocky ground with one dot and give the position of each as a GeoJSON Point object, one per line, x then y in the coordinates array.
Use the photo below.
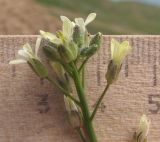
{"type": "Point", "coordinates": [25, 17]}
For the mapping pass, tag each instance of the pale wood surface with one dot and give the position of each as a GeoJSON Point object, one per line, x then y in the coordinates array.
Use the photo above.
{"type": "Point", "coordinates": [31, 110]}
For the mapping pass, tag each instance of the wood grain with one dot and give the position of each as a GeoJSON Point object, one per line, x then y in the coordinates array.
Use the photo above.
{"type": "Point", "coordinates": [31, 110]}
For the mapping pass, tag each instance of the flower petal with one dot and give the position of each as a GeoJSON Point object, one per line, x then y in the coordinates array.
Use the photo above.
{"type": "Point", "coordinates": [90, 18]}
{"type": "Point", "coordinates": [38, 42]}
{"type": "Point", "coordinates": [64, 18]}
{"type": "Point", "coordinates": [51, 37]}
{"type": "Point", "coordinates": [124, 49]}
{"type": "Point", "coordinates": [67, 28]}
{"type": "Point", "coordinates": [114, 48]}
{"type": "Point", "coordinates": [26, 52]}
{"type": "Point", "coordinates": [17, 61]}
{"type": "Point", "coordinates": [27, 48]}
{"type": "Point", "coordinates": [80, 23]}
{"type": "Point", "coordinates": [23, 54]}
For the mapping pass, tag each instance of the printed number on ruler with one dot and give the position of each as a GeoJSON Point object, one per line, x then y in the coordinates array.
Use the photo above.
{"type": "Point", "coordinates": [154, 102]}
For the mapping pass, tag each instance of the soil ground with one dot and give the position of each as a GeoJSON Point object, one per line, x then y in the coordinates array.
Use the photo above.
{"type": "Point", "coordinates": [25, 17]}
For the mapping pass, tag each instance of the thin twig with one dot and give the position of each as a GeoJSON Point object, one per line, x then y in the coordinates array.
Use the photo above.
{"type": "Point", "coordinates": [99, 101]}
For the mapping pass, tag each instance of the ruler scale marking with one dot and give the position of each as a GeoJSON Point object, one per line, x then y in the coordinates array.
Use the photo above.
{"type": "Point", "coordinates": [136, 92]}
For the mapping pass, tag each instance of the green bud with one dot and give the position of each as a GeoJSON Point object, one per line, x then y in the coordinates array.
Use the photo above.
{"type": "Point", "coordinates": [94, 46]}
{"type": "Point", "coordinates": [38, 68]}
{"type": "Point", "coordinates": [89, 51]}
{"type": "Point", "coordinates": [97, 40]}
{"type": "Point", "coordinates": [112, 72]}
{"type": "Point", "coordinates": [78, 37]}
{"type": "Point", "coordinates": [61, 75]}
{"type": "Point", "coordinates": [58, 69]}
{"type": "Point", "coordinates": [68, 53]}
{"type": "Point", "coordinates": [74, 113]}
{"type": "Point", "coordinates": [51, 53]}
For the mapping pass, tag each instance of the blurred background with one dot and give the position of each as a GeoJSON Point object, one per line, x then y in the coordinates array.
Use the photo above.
{"type": "Point", "coordinates": [113, 16]}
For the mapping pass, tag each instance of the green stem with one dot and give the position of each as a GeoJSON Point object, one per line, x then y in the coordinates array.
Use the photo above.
{"type": "Point", "coordinates": [84, 106]}
{"type": "Point", "coordinates": [99, 101]}
{"type": "Point", "coordinates": [81, 134]}
{"type": "Point", "coordinates": [83, 77]}
{"type": "Point", "coordinates": [63, 90]}
{"type": "Point", "coordinates": [82, 65]}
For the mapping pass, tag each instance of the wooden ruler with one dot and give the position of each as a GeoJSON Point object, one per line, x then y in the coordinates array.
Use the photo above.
{"type": "Point", "coordinates": [31, 110]}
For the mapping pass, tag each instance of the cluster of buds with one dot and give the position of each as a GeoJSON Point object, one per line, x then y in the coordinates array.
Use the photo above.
{"type": "Point", "coordinates": [142, 132]}
{"type": "Point", "coordinates": [73, 41]}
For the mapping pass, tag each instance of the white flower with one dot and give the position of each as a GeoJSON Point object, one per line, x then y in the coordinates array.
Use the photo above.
{"type": "Point", "coordinates": [143, 128]}
{"type": "Point", "coordinates": [67, 28]}
{"type": "Point", "coordinates": [82, 24]}
{"type": "Point", "coordinates": [31, 57]}
{"type": "Point", "coordinates": [119, 51]}
{"type": "Point", "coordinates": [90, 18]}
{"type": "Point", "coordinates": [27, 53]}
{"type": "Point", "coordinates": [51, 37]}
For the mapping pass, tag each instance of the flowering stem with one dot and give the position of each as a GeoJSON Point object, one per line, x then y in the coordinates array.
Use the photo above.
{"type": "Point", "coordinates": [63, 90]}
{"type": "Point", "coordinates": [84, 106]}
{"type": "Point", "coordinates": [99, 101]}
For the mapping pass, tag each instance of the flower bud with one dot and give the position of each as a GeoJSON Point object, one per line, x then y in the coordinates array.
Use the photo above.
{"type": "Point", "coordinates": [68, 53]}
{"type": "Point", "coordinates": [51, 52]}
{"type": "Point", "coordinates": [96, 40]}
{"type": "Point", "coordinates": [89, 51]}
{"type": "Point", "coordinates": [38, 68]}
{"type": "Point", "coordinates": [61, 75]}
{"type": "Point", "coordinates": [58, 69]}
{"type": "Point", "coordinates": [78, 37]}
{"type": "Point", "coordinates": [112, 72]}
{"type": "Point", "coordinates": [73, 113]}
{"type": "Point", "coordinates": [94, 45]}
{"type": "Point", "coordinates": [142, 132]}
